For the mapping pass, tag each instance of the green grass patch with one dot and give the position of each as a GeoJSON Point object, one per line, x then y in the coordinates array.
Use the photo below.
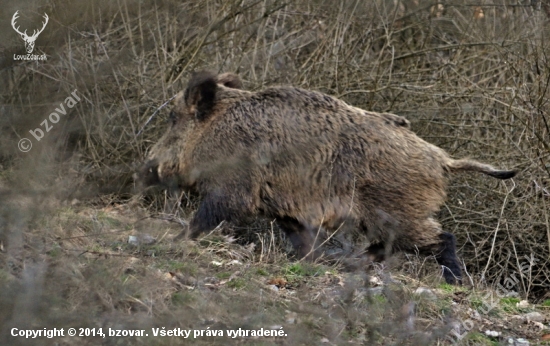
{"type": "Point", "coordinates": [509, 304]}
{"type": "Point", "coordinates": [237, 283]}
{"type": "Point", "coordinates": [447, 288]}
{"type": "Point", "coordinates": [377, 299]}
{"type": "Point", "coordinates": [485, 305]}
{"type": "Point", "coordinates": [181, 298]}
{"type": "Point", "coordinates": [297, 270]}
{"type": "Point", "coordinates": [186, 267]}
{"type": "Point", "coordinates": [223, 275]}
{"type": "Point", "coordinates": [262, 272]}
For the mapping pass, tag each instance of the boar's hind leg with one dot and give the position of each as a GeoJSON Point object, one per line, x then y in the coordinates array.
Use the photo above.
{"type": "Point", "coordinates": [443, 246]}
{"type": "Point", "coordinates": [303, 238]}
{"type": "Point", "coordinates": [447, 258]}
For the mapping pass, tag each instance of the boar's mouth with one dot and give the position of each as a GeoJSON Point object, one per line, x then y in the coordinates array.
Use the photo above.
{"type": "Point", "coordinates": [150, 178]}
{"type": "Point", "coordinates": [149, 173]}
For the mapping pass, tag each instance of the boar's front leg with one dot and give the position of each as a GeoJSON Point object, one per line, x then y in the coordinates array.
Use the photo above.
{"type": "Point", "coordinates": [230, 205]}
{"type": "Point", "coordinates": [304, 238]}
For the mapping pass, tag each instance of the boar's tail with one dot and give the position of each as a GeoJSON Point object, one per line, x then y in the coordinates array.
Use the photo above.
{"type": "Point", "coordinates": [471, 165]}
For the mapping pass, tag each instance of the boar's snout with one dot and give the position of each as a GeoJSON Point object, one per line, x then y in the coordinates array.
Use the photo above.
{"type": "Point", "coordinates": [149, 174]}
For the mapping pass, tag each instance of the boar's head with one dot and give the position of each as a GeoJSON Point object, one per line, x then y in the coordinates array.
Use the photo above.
{"type": "Point", "coordinates": [172, 162]}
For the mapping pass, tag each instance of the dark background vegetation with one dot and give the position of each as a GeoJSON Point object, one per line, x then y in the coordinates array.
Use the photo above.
{"type": "Point", "coordinates": [471, 76]}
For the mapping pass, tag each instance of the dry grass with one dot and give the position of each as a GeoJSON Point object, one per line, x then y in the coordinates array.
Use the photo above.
{"type": "Point", "coordinates": [477, 87]}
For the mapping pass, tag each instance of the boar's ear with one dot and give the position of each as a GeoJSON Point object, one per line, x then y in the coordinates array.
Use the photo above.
{"type": "Point", "coordinates": [201, 93]}
{"type": "Point", "coordinates": [230, 80]}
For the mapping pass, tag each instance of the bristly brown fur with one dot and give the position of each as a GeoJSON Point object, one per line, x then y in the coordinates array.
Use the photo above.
{"type": "Point", "coordinates": [310, 161]}
{"type": "Point", "coordinates": [200, 93]}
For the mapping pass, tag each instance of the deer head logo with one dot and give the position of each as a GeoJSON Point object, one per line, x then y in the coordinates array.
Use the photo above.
{"type": "Point", "coordinates": [29, 40]}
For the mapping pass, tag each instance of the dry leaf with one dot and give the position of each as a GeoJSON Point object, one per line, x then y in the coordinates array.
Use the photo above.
{"type": "Point", "coordinates": [279, 282]}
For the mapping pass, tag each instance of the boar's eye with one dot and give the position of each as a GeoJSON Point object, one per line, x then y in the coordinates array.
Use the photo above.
{"type": "Point", "coordinates": [172, 118]}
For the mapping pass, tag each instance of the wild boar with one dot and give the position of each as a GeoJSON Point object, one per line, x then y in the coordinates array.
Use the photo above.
{"type": "Point", "coordinates": [311, 162]}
